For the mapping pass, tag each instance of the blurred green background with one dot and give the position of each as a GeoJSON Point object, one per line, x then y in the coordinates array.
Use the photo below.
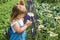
{"type": "Point", "coordinates": [49, 19]}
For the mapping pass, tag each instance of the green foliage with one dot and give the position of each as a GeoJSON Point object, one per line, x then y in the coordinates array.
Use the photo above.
{"type": "Point", "coordinates": [5, 11]}
{"type": "Point", "coordinates": [49, 15]}
{"type": "Point", "coordinates": [48, 1]}
{"type": "Point", "coordinates": [4, 1]}
{"type": "Point", "coordinates": [49, 20]}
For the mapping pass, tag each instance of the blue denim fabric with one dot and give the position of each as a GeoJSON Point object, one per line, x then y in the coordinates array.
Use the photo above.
{"type": "Point", "coordinates": [18, 36]}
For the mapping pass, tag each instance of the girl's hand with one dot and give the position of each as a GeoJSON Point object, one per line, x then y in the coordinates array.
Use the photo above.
{"type": "Point", "coordinates": [28, 23]}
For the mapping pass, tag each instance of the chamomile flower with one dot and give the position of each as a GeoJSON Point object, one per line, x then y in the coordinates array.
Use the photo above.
{"type": "Point", "coordinates": [53, 34]}
{"type": "Point", "coordinates": [58, 21]}
{"type": "Point", "coordinates": [49, 15]}
{"type": "Point", "coordinates": [57, 17]}
{"type": "Point", "coordinates": [40, 27]}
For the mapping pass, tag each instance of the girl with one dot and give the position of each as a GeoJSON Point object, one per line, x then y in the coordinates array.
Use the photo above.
{"type": "Point", "coordinates": [17, 31]}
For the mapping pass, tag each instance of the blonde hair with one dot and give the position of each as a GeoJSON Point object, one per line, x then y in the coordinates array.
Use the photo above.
{"type": "Point", "coordinates": [17, 10]}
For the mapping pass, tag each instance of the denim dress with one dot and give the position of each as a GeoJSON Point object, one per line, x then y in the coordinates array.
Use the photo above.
{"type": "Point", "coordinates": [17, 36]}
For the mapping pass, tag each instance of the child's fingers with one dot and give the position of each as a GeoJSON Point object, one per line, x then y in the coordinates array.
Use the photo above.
{"type": "Point", "coordinates": [29, 21]}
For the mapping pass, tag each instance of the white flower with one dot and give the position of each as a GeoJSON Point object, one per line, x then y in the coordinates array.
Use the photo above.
{"type": "Point", "coordinates": [40, 27]}
{"type": "Point", "coordinates": [49, 15]}
{"type": "Point", "coordinates": [54, 7]}
{"type": "Point", "coordinates": [57, 17]}
{"type": "Point", "coordinates": [32, 29]}
{"type": "Point", "coordinates": [58, 21]}
{"type": "Point", "coordinates": [53, 34]}
{"type": "Point", "coordinates": [31, 14]}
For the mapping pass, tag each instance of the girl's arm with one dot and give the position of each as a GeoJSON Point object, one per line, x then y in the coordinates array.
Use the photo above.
{"type": "Point", "coordinates": [18, 29]}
